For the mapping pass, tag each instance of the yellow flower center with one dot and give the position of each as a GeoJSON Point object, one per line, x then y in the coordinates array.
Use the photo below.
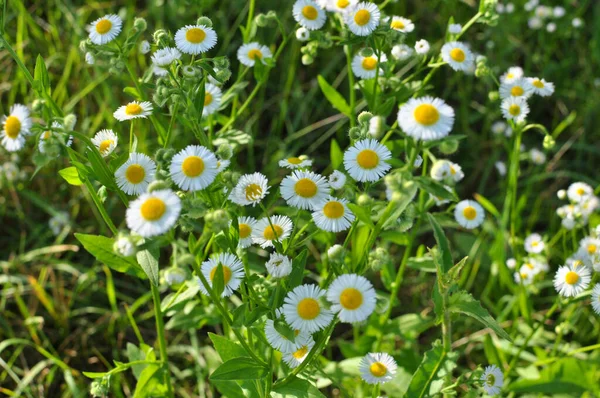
{"type": "Point", "coordinates": [426, 114]}
{"type": "Point", "coordinates": [47, 134]}
{"type": "Point", "coordinates": [362, 17]}
{"type": "Point", "coordinates": [195, 35]}
{"type": "Point", "coordinates": [367, 159]}
{"type": "Point", "coordinates": [397, 25]}
{"type": "Point", "coordinates": [333, 209]}
{"type": "Point", "coordinates": [308, 308]}
{"type": "Point", "coordinates": [192, 166]}
{"type": "Point", "coordinates": [272, 233]}
{"type": "Point", "coordinates": [255, 54]}
{"type": "Point", "coordinates": [310, 12]}
{"type": "Point", "coordinates": [226, 274]}
{"type": "Point", "coordinates": [300, 353]}
{"type": "Point", "coordinates": [253, 191]}
{"type": "Point", "coordinates": [306, 188]}
{"type": "Point", "coordinates": [529, 265]}
{"type": "Point", "coordinates": [572, 277]}
{"type": "Point", "coordinates": [208, 99]}
{"type": "Point", "coordinates": [369, 63]}
{"type": "Point", "coordinates": [538, 83]}
{"type": "Point", "coordinates": [592, 248]}
{"type": "Point", "coordinates": [378, 369]}
{"type": "Point", "coordinates": [12, 126]}
{"type": "Point", "coordinates": [470, 213]}
{"type": "Point", "coordinates": [490, 379]}
{"type": "Point", "coordinates": [343, 3]}
{"type": "Point", "coordinates": [153, 209]}
{"type": "Point", "coordinates": [457, 54]}
{"type": "Point", "coordinates": [510, 76]}
{"type": "Point", "coordinates": [294, 160]}
{"type": "Point", "coordinates": [351, 298]}
{"type": "Point", "coordinates": [245, 231]}
{"type": "Point", "coordinates": [135, 174]}
{"type": "Point", "coordinates": [580, 191]}
{"type": "Point", "coordinates": [514, 109]}
{"type": "Point", "coordinates": [535, 243]}
{"type": "Point", "coordinates": [105, 145]}
{"type": "Point", "coordinates": [577, 263]}
{"type": "Point", "coordinates": [516, 91]}
{"type": "Point", "coordinates": [133, 109]}
{"type": "Point", "coordinates": [103, 26]}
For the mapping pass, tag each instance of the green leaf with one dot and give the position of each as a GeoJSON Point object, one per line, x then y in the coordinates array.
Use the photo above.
{"type": "Point", "coordinates": [429, 376]}
{"type": "Point", "coordinates": [408, 190]}
{"type": "Point", "coordinates": [334, 97]}
{"type": "Point", "coordinates": [297, 388]}
{"type": "Point", "coordinates": [435, 188]}
{"type": "Point", "coordinates": [218, 281]}
{"type": "Point", "coordinates": [226, 348]}
{"type": "Point", "coordinates": [40, 74]}
{"type": "Point", "coordinates": [336, 155]}
{"type": "Point", "coordinates": [361, 214]}
{"type": "Point", "coordinates": [132, 91]}
{"type": "Point", "coordinates": [385, 108]}
{"type": "Point", "coordinates": [569, 376]}
{"type": "Point", "coordinates": [71, 175]}
{"type": "Point", "coordinates": [239, 369]}
{"type": "Point", "coordinates": [143, 387]}
{"type": "Point", "coordinates": [298, 264]}
{"type": "Point", "coordinates": [284, 330]}
{"type": "Point", "coordinates": [101, 248]}
{"type": "Point", "coordinates": [463, 302]}
{"type": "Point", "coordinates": [148, 260]}
{"type": "Point", "coordinates": [489, 206]}
{"type": "Point", "coordinates": [442, 242]}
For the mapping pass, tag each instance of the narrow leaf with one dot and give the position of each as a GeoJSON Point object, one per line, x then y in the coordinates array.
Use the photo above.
{"type": "Point", "coordinates": [334, 97]}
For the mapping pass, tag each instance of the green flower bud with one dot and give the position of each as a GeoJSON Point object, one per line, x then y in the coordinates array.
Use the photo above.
{"type": "Point", "coordinates": [366, 52]}
{"type": "Point", "coordinates": [84, 45]}
{"type": "Point", "coordinates": [549, 142]}
{"type": "Point", "coordinates": [448, 147]}
{"type": "Point", "coordinates": [378, 258]}
{"type": "Point", "coordinates": [307, 59]}
{"type": "Point", "coordinates": [225, 151]}
{"type": "Point", "coordinates": [204, 21]}
{"type": "Point", "coordinates": [140, 24]}
{"type": "Point", "coordinates": [175, 276]}
{"type": "Point", "coordinates": [364, 117]}
{"type": "Point", "coordinates": [336, 253]}
{"type": "Point", "coordinates": [160, 37]}
{"type": "Point", "coordinates": [493, 96]}
{"type": "Point", "coordinates": [364, 200]}
{"type": "Point", "coordinates": [190, 71]}
{"type": "Point", "coordinates": [355, 133]}
{"type": "Point", "coordinates": [158, 185]}
{"type": "Point", "coordinates": [69, 122]}
{"type": "Point", "coordinates": [261, 20]}
{"type": "Point", "coordinates": [222, 62]}
{"type": "Point", "coordinates": [224, 75]}
{"type": "Point", "coordinates": [99, 388]}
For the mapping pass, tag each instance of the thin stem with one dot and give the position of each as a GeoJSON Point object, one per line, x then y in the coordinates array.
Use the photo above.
{"type": "Point", "coordinates": [347, 50]}
{"type": "Point", "coordinates": [162, 342]}
{"type": "Point", "coordinates": [131, 137]}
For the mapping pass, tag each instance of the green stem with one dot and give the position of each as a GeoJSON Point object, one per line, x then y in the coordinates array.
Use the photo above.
{"type": "Point", "coordinates": [347, 50]}
{"type": "Point", "coordinates": [131, 137]}
{"type": "Point", "coordinates": [162, 342]}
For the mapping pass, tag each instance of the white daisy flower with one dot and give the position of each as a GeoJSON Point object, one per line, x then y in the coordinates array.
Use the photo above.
{"type": "Point", "coordinates": [534, 244]}
{"type": "Point", "coordinates": [15, 127]}
{"type": "Point", "coordinates": [363, 18]}
{"type": "Point", "coordinates": [302, 34]}
{"type": "Point", "coordinates": [249, 53]}
{"type": "Point", "coordinates": [165, 56]}
{"type": "Point", "coordinates": [376, 368]}
{"type": "Point", "coordinates": [515, 108]}
{"type": "Point", "coordinates": [589, 246]}
{"type": "Point", "coordinates": [250, 189]}
{"type": "Point", "coordinates": [282, 343]}
{"type": "Point", "coordinates": [133, 110]}
{"type": "Point", "coordinates": [309, 14]}
{"type": "Point", "coordinates": [159, 71]}
{"type": "Point", "coordinates": [579, 192]}
{"type": "Point", "coordinates": [89, 58]}
{"type": "Point", "coordinates": [295, 358]}
{"type": "Point", "coordinates": [279, 265]}
{"type": "Point", "coordinates": [337, 179]}
{"type": "Point", "coordinates": [144, 47]}
{"type": "Point", "coordinates": [577, 22]}
{"type": "Point", "coordinates": [341, 6]}
{"type": "Point", "coordinates": [541, 87]}
{"type": "Point", "coordinates": [352, 297]}
{"type": "Point", "coordinates": [195, 39]}
{"type": "Point", "coordinates": [212, 99]}
{"type": "Point", "coordinates": [537, 157]}
{"type": "Point", "coordinates": [303, 309]}
{"type": "Point", "coordinates": [304, 189]}
{"type": "Point", "coordinates": [499, 127]}
{"type": "Point", "coordinates": [518, 88]}
{"type": "Point", "coordinates": [533, 266]}
{"type": "Point", "coordinates": [233, 273]}
{"type": "Point", "coordinates": [455, 28]}
{"type": "Point", "coordinates": [366, 67]}
{"type": "Point", "coordinates": [366, 160]}
{"type": "Point", "coordinates": [376, 126]}
{"type": "Point", "coordinates": [422, 47]}
{"type": "Point", "coordinates": [402, 52]}
{"type": "Point", "coordinates": [426, 118]}
{"type": "Point", "coordinates": [153, 213]}
{"type": "Point", "coordinates": [333, 215]}
{"type": "Point", "coordinates": [511, 263]}
{"type": "Point", "coordinates": [401, 24]}
{"type": "Point", "coordinates": [265, 232]}
{"type": "Point", "coordinates": [581, 258]}
{"type": "Point", "coordinates": [134, 176]}
{"type": "Point", "coordinates": [246, 225]}
{"type": "Point", "coordinates": [106, 141]}
{"type": "Point", "coordinates": [440, 170]}
{"type": "Point", "coordinates": [105, 29]}
{"type": "Point", "coordinates": [570, 281]}
{"type": "Point", "coordinates": [456, 172]}
{"type": "Point", "coordinates": [295, 163]}
{"type": "Point", "coordinates": [596, 298]}
{"type": "Point", "coordinates": [513, 73]}
{"type": "Point", "coordinates": [48, 136]}
{"type": "Point", "coordinates": [492, 379]}
{"type": "Point", "coordinates": [524, 276]}
{"type": "Point", "coordinates": [222, 165]}
{"type": "Point", "coordinates": [458, 56]}
{"type": "Point", "coordinates": [193, 168]}
{"type": "Point", "coordinates": [535, 23]}
{"type": "Point", "coordinates": [469, 214]}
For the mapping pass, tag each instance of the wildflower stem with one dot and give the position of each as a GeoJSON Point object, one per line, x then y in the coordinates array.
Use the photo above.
{"type": "Point", "coordinates": [162, 342]}
{"type": "Point", "coordinates": [347, 50]}
{"type": "Point", "coordinates": [171, 123]}
{"type": "Point", "coordinates": [131, 137]}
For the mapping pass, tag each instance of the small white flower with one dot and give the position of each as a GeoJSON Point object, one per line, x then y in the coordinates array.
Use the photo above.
{"type": "Point", "coordinates": [133, 110]}
{"type": "Point", "coordinates": [233, 273]}
{"type": "Point", "coordinates": [511, 263]}
{"type": "Point", "coordinates": [458, 56]}
{"type": "Point", "coordinates": [249, 53]}
{"type": "Point", "coordinates": [534, 244]}
{"type": "Point", "coordinates": [366, 67]}
{"type": "Point", "coordinates": [501, 167]}
{"type": "Point", "coordinates": [541, 87]}
{"type": "Point", "coordinates": [570, 281]}
{"type": "Point", "coordinates": [401, 24]}
{"type": "Point", "coordinates": [279, 265]}
{"type": "Point", "coordinates": [309, 14]}
{"type": "Point", "coordinates": [212, 99]}
{"type": "Point", "coordinates": [535, 23]}
{"type": "Point", "coordinates": [333, 215]}
{"type": "Point", "coordinates": [377, 368]}
{"type": "Point", "coordinates": [269, 229]}
{"type": "Point", "coordinates": [366, 160]}
{"type": "Point", "coordinates": [295, 358]}
{"type": "Point", "coordinates": [513, 73]}
{"type": "Point", "coordinates": [596, 298]}
{"type": "Point", "coordinates": [363, 19]}
{"type": "Point", "coordinates": [337, 179]}
{"type": "Point", "coordinates": [352, 297]}
{"type": "Point", "coordinates": [579, 192]}
{"type": "Point", "coordinates": [106, 141]}
{"type": "Point", "coordinates": [304, 189]}
{"type": "Point", "coordinates": [559, 12]}
{"type": "Point", "coordinates": [302, 34]}
{"type": "Point", "coordinates": [551, 27]}
{"type": "Point", "coordinates": [134, 176]}
{"type": "Point", "coordinates": [455, 28]}
{"type": "Point", "coordinates": [422, 47]}
{"type": "Point", "coordinates": [469, 214]}
{"type": "Point", "coordinates": [492, 379]}
{"type": "Point", "coordinates": [499, 127]}
{"type": "Point", "coordinates": [89, 58]}
{"type": "Point", "coordinates": [153, 213]}
{"type": "Point", "coordinates": [105, 29]}
{"type": "Point", "coordinates": [250, 189]}
{"type": "Point", "coordinates": [304, 311]}
{"type": "Point", "coordinates": [193, 168]}
{"type": "Point", "coordinates": [15, 127]}
{"type": "Point", "coordinates": [165, 56]}
{"type": "Point", "coordinates": [537, 157]}
{"type": "Point", "coordinates": [426, 118]}
{"type": "Point", "coordinates": [402, 52]}
{"type": "Point", "coordinates": [245, 226]}
{"type": "Point", "coordinates": [577, 22]}
{"type": "Point", "coordinates": [144, 47]}
{"type": "Point", "coordinates": [295, 163]}
{"type": "Point", "coordinates": [517, 88]}
{"type": "Point", "coordinates": [195, 39]}
{"type": "Point", "coordinates": [515, 108]}
{"type": "Point", "coordinates": [282, 343]}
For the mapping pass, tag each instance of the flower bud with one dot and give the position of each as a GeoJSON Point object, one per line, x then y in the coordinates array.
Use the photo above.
{"type": "Point", "coordinates": [224, 75]}
{"type": "Point", "coordinates": [562, 194]}
{"type": "Point", "coordinates": [218, 220]}
{"type": "Point", "coordinates": [307, 59]}
{"type": "Point", "coordinates": [261, 20]}
{"type": "Point", "coordinates": [190, 71]}
{"type": "Point", "coordinates": [84, 45]}
{"type": "Point", "coordinates": [175, 276]}
{"type": "Point", "coordinates": [140, 24]}
{"type": "Point", "coordinates": [493, 96]}
{"type": "Point", "coordinates": [364, 117]}
{"type": "Point", "coordinates": [160, 37]}
{"type": "Point", "coordinates": [69, 122]}
{"type": "Point", "coordinates": [158, 185]}
{"type": "Point", "coordinates": [335, 253]}
{"type": "Point", "coordinates": [354, 133]}
{"type": "Point", "coordinates": [102, 195]}
{"type": "Point", "coordinates": [37, 105]}
{"type": "Point", "coordinates": [99, 388]}
{"type": "Point", "coordinates": [364, 200]}
{"type": "Point", "coordinates": [366, 52]}
{"type": "Point", "coordinates": [549, 142]}
{"type": "Point", "coordinates": [204, 21]}
{"type": "Point", "coordinates": [448, 147]}
{"type": "Point", "coordinates": [144, 47]}
{"type": "Point", "coordinates": [302, 34]}
{"type": "Point", "coordinates": [376, 126]}
{"type": "Point", "coordinates": [89, 58]}
{"type": "Point", "coordinates": [378, 258]}
{"type": "Point", "coordinates": [225, 151]}
{"type": "Point", "coordinates": [125, 246]}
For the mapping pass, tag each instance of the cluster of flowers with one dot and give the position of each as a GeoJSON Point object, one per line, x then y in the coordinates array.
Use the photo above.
{"type": "Point", "coordinates": [541, 14]}
{"type": "Point", "coordinates": [582, 204]}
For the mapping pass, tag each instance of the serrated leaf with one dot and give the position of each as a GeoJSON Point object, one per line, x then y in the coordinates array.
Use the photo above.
{"type": "Point", "coordinates": [239, 369]}
{"type": "Point", "coordinates": [442, 242]}
{"type": "Point", "coordinates": [71, 176]}
{"type": "Point", "coordinates": [334, 97]}
{"type": "Point", "coordinates": [463, 302]}
{"type": "Point", "coordinates": [148, 260]}
{"type": "Point", "coordinates": [101, 248]}
{"type": "Point", "coordinates": [226, 348]}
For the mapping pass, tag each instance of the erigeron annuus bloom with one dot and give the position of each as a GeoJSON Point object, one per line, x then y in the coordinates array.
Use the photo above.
{"type": "Point", "coordinates": [233, 273]}
{"type": "Point", "coordinates": [534, 244]}
{"type": "Point", "coordinates": [89, 58]}
{"type": "Point", "coordinates": [533, 266]}
{"type": "Point", "coordinates": [537, 157]}
{"type": "Point", "coordinates": [134, 176]}
{"type": "Point", "coordinates": [195, 39]}
{"type": "Point", "coordinates": [193, 168]}
{"type": "Point", "coordinates": [295, 163]}
{"type": "Point", "coordinates": [352, 297]}
{"type": "Point", "coordinates": [469, 214]}
{"type": "Point", "coordinates": [333, 215]}
{"type": "Point", "coordinates": [402, 24]}
{"type": "Point", "coordinates": [456, 172]}
{"type": "Point", "coordinates": [515, 108]}
{"type": "Point", "coordinates": [426, 118]}
{"type": "Point", "coordinates": [269, 229]}
{"type": "Point", "coordinates": [581, 258]}
{"type": "Point", "coordinates": [402, 52]}
{"type": "Point", "coordinates": [222, 165]}
{"type": "Point", "coordinates": [589, 246]}
{"type": "Point", "coordinates": [153, 213]}
{"type": "Point", "coordinates": [15, 127]}
{"type": "Point", "coordinates": [249, 53]}
{"type": "Point", "coordinates": [499, 127]}
{"type": "Point", "coordinates": [518, 88]}
{"type": "Point", "coordinates": [303, 309]}
{"type": "Point", "coordinates": [165, 56]}
{"type": "Point", "coordinates": [58, 222]}
{"type": "Point", "coordinates": [304, 189]}
{"type": "Point", "coordinates": [440, 170]}
{"type": "Point", "coordinates": [540, 86]}
{"type": "Point", "coordinates": [341, 6]}
{"type": "Point", "coordinates": [366, 67]}
{"type": "Point", "coordinates": [245, 227]}
{"type": "Point", "coordinates": [366, 160]}
{"type": "Point", "coordinates": [296, 357]}
{"type": "Point", "coordinates": [458, 56]}
{"type": "Point", "coordinates": [513, 73]}
{"type": "Point", "coordinates": [309, 14]}
{"type": "Point", "coordinates": [106, 141]}
{"type": "Point", "coordinates": [212, 99]}
{"type": "Point", "coordinates": [455, 28]}
{"type": "Point", "coordinates": [570, 281]}
{"type": "Point", "coordinates": [105, 29]}
{"type": "Point", "coordinates": [144, 47]}
{"type": "Point", "coordinates": [133, 110]}
{"type": "Point", "coordinates": [524, 276]}
{"type": "Point", "coordinates": [302, 34]}
{"type": "Point", "coordinates": [579, 191]}
{"type": "Point", "coordinates": [376, 368]}
{"type": "Point", "coordinates": [337, 179]}
{"type": "Point", "coordinates": [492, 379]}
{"type": "Point", "coordinates": [279, 265]}
{"type": "Point", "coordinates": [422, 47]}
{"type": "Point", "coordinates": [250, 189]}
{"type": "Point", "coordinates": [48, 136]}
{"type": "Point", "coordinates": [363, 18]}
{"type": "Point", "coordinates": [596, 298]}
{"type": "Point", "coordinates": [282, 343]}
